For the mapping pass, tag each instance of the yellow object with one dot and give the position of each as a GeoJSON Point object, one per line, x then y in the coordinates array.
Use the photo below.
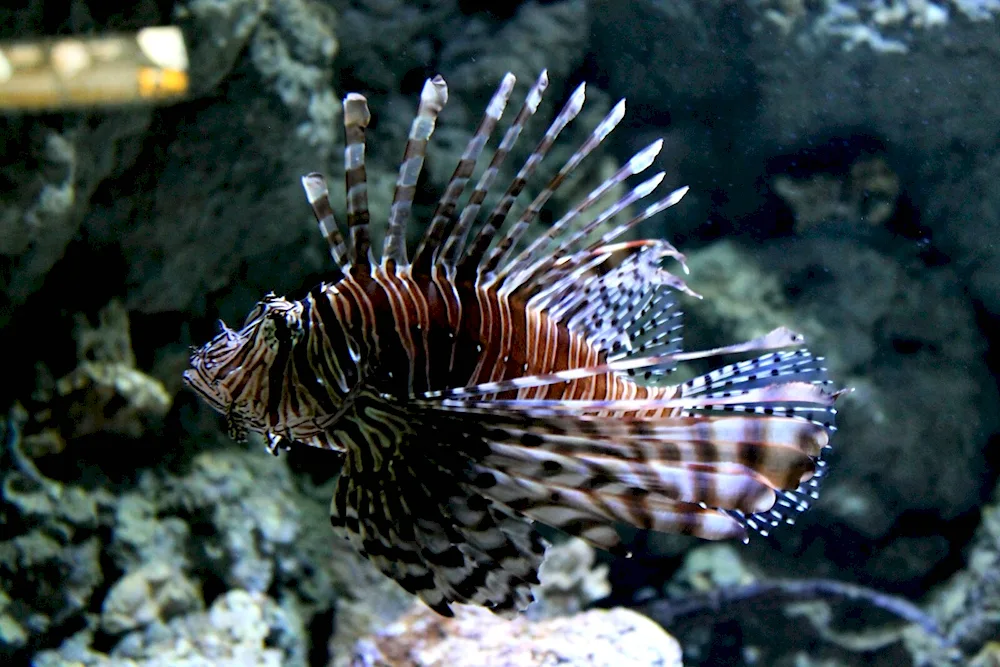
{"type": "Point", "coordinates": [149, 66]}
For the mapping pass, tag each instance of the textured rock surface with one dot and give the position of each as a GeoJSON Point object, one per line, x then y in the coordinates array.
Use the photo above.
{"type": "Point", "coordinates": [240, 629]}
{"type": "Point", "coordinates": [214, 230]}
{"type": "Point", "coordinates": [927, 103]}
{"type": "Point", "coordinates": [53, 171]}
{"type": "Point", "coordinates": [204, 221]}
{"type": "Point", "coordinates": [667, 53]}
{"type": "Point", "coordinates": [770, 77]}
{"type": "Point", "coordinates": [155, 592]}
{"type": "Point", "coordinates": [968, 605]}
{"type": "Point", "coordinates": [615, 638]}
{"type": "Point", "coordinates": [570, 580]}
{"type": "Point", "coordinates": [235, 520]}
{"type": "Point", "coordinates": [50, 548]}
{"type": "Point", "coordinates": [53, 164]}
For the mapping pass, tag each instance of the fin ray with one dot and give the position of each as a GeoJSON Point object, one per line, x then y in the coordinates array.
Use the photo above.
{"type": "Point", "coordinates": [433, 97]}
{"type": "Point", "coordinates": [454, 245]}
{"type": "Point", "coordinates": [444, 218]}
{"type": "Point", "coordinates": [468, 266]}
{"type": "Point", "coordinates": [356, 119]}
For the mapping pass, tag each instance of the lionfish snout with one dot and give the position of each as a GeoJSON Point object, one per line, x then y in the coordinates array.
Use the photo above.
{"type": "Point", "coordinates": [213, 364]}
{"type": "Point", "coordinates": [205, 383]}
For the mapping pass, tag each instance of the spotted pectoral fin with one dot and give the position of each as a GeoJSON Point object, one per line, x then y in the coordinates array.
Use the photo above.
{"type": "Point", "coordinates": [235, 426]}
{"type": "Point", "coordinates": [415, 519]}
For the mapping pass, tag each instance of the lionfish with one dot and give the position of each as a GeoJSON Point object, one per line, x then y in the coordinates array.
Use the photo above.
{"type": "Point", "coordinates": [484, 385]}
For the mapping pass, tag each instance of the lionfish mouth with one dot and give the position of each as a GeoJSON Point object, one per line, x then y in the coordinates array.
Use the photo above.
{"type": "Point", "coordinates": [210, 365]}
{"type": "Point", "coordinates": [201, 384]}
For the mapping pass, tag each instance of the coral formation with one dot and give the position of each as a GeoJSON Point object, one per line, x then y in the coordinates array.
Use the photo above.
{"type": "Point", "coordinates": [105, 393]}
{"type": "Point", "coordinates": [240, 629]}
{"type": "Point", "coordinates": [50, 550]}
{"type": "Point", "coordinates": [968, 605]}
{"type": "Point", "coordinates": [866, 194]}
{"type": "Point", "coordinates": [570, 580]}
{"type": "Point", "coordinates": [881, 25]}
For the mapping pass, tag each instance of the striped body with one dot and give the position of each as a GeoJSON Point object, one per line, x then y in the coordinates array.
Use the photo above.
{"type": "Point", "coordinates": [489, 383]}
{"type": "Point", "coordinates": [418, 336]}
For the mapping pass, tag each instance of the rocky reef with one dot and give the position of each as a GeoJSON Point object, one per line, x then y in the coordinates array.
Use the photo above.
{"type": "Point", "coordinates": [842, 157]}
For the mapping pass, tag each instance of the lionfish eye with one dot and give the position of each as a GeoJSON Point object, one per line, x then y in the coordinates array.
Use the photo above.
{"type": "Point", "coordinates": [280, 327]}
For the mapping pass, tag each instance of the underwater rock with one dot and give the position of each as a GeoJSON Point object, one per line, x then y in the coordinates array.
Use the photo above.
{"type": "Point", "coordinates": [54, 169]}
{"type": "Point", "coordinates": [383, 63]}
{"type": "Point", "coordinates": [369, 602]}
{"type": "Point", "coordinates": [570, 580]}
{"type": "Point", "coordinates": [50, 547]}
{"type": "Point", "coordinates": [235, 518]}
{"type": "Point", "coordinates": [710, 567]}
{"type": "Point", "coordinates": [915, 69]}
{"type": "Point", "coordinates": [240, 629]}
{"type": "Point", "coordinates": [866, 194]}
{"type": "Point", "coordinates": [540, 35]}
{"type": "Point", "coordinates": [173, 255]}
{"type": "Point", "coordinates": [220, 38]}
{"type": "Point", "coordinates": [922, 95]}
{"type": "Point", "coordinates": [964, 206]}
{"type": "Point", "coordinates": [54, 163]}
{"type": "Point", "coordinates": [967, 606]}
{"type": "Point", "coordinates": [187, 236]}
{"type": "Point", "coordinates": [105, 393]}
{"type": "Point", "coordinates": [140, 535]}
{"type": "Point", "coordinates": [988, 657]}
{"type": "Point", "coordinates": [48, 582]}
{"type": "Point", "coordinates": [475, 636]}
{"type": "Point", "coordinates": [156, 592]}
{"type": "Point", "coordinates": [910, 75]}
{"type": "Point", "coordinates": [255, 526]}
{"type": "Point", "coordinates": [476, 52]}
{"type": "Point", "coordinates": [667, 54]}
{"type": "Point", "coordinates": [293, 48]}
{"type": "Point", "coordinates": [248, 514]}
{"type": "Point", "coordinates": [39, 226]}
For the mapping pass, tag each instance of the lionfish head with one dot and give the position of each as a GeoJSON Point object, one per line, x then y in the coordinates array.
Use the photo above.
{"type": "Point", "coordinates": [232, 371]}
